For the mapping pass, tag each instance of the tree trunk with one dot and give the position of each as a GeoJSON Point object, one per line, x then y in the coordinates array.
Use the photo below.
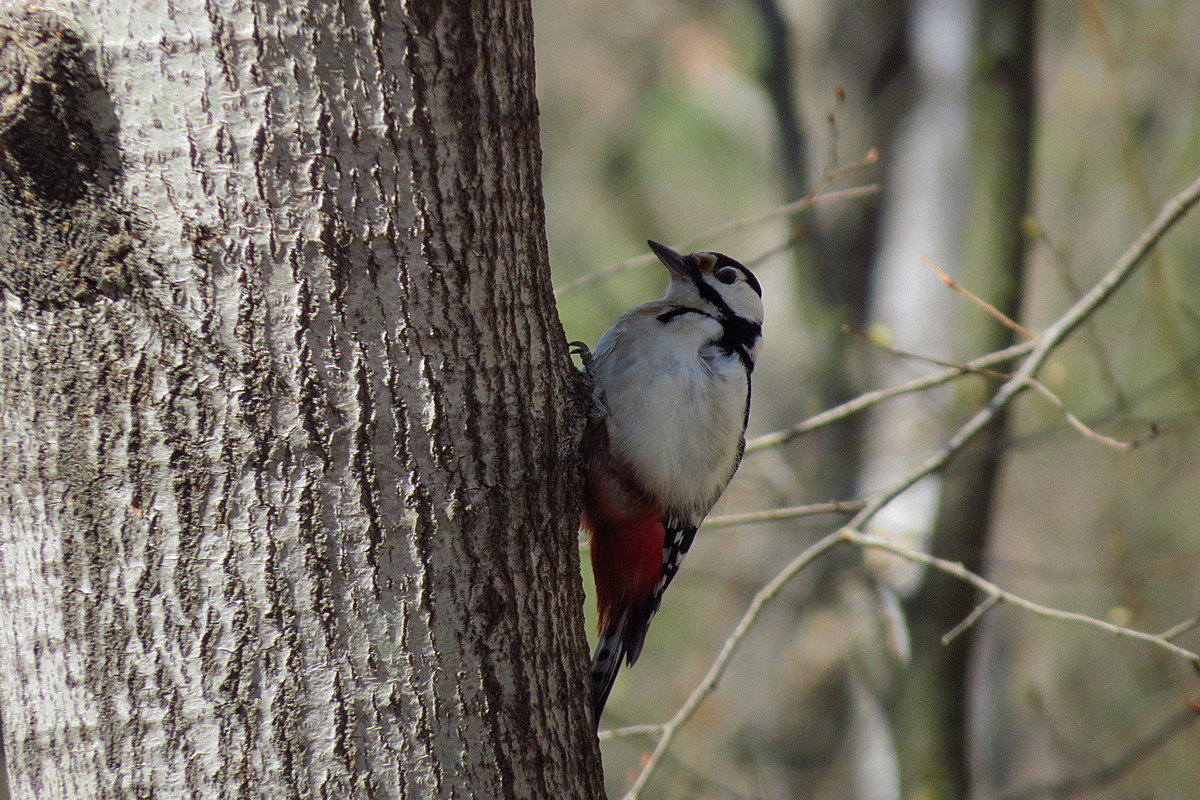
{"type": "Point", "coordinates": [931, 726]}
{"type": "Point", "coordinates": [288, 435]}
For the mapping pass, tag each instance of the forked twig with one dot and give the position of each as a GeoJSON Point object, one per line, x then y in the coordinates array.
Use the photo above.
{"type": "Point", "coordinates": [874, 398]}
{"type": "Point", "coordinates": [1083, 428]}
{"type": "Point", "coordinates": [976, 614]}
{"type": "Point", "coordinates": [671, 728]}
{"type": "Point", "coordinates": [992, 590]}
{"type": "Point", "coordinates": [1051, 338]}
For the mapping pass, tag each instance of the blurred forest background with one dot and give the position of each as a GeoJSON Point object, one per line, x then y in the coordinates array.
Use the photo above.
{"type": "Point", "coordinates": [1021, 150]}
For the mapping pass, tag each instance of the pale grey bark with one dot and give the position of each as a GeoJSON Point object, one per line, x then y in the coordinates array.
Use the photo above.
{"type": "Point", "coordinates": [288, 439]}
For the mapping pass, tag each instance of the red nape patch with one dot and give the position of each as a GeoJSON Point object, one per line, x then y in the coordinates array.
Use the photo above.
{"type": "Point", "coordinates": [627, 553]}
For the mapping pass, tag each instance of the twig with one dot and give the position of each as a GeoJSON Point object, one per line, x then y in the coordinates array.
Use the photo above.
{"type": "Point", "coordinates": [1034, 230]}
{"type": "Point", "coordinates": [839, 100]}
{"type": "Point", "coordinates": [628, 730]}
{"type": "Point", "coordinates": [865, 401]}
{"type": "Point", "coordinates": [1041, 388]}
{"type": "Point", "coordinates": [833, 174]}
{"type": "Point", "coordinates": [784, 211]}
{"type": "Point", "coordinates": [803, 203]}
{"type": "Point", "coordinates": [1176, 631]}
{"type": "Point", "coordinates": [976, 614]}
{"type": "Point", "coordinates": [979, 301]}
{"type": "Point", "coordinates": [1079, 425]}
{"type": "Point", "coordinates": [1051, 338]}
{"type": "Point", "coordinates": [764, 596]}
{"type": "Point", "coordinates": [847, 535]}
{"type": "Point", "coordinates": [773, 515]}
{"type": "Point", "coordinates": [1107, 773]}
{"type": "Point", "coordinates": [992, 590]}
{"type": "Point", "coordinates": [937, 362]}
{"type": "Point", "coordinates": [788, 512]}
{"type": "Point", "coordinates": [784, 246]}
{"type": "Point", "coordinates": [591, 277]}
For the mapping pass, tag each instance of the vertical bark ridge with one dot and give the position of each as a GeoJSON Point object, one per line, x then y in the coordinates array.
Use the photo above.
{"type": "Point", "coordinates": [306, 530]}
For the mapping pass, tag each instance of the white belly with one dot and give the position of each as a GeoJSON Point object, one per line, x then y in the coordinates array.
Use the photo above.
{"type": "Point", "coordinates": [675, 418]}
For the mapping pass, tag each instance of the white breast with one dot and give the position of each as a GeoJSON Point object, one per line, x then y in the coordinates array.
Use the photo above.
{"type": "Point", "coordinates": [676, 406]}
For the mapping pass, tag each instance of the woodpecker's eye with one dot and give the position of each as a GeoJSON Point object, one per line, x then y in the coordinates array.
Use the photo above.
{"type": "Point", "coordinates": [727, 275]}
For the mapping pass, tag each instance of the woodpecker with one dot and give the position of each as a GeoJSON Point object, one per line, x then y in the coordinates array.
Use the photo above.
{"type": "Point", "coordinates": [672, 398]}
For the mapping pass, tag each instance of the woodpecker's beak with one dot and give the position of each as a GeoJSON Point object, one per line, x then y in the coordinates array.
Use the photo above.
{"type": "Point", "coordinates": [681, 266]}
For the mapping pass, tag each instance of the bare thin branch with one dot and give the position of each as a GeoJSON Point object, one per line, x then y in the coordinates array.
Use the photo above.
{"type": "Point", "coordinates": [1004, 319]}
{"type": "Point", "coordinates": [937, 362]}
{"type": "Point", "coordinates": [1113, 770]}
{"type": "Point", "coordinates": [764, 596]}
{"type": "Point", "coordinates": [782, 247]}
{"type": "Point", "coordinates": [992, 590]}
{"type": "Point", "coordinates": [994, 593]}
{"type": "Point", "coordinates": [787, 512]}
{"type": "Point", "coordinates": [1038, 351]}
{"type": "Point", "coordinates": [1079, 425]}
{"type": "Point", "coordinates": [592, 277]}
{"type": "Point", "coordinates": [1051, 338]}
{"type": "Point", "coordinates": [725, 228]}
{"type": "Point", "coordinates": [629, 730]}
{"type": "Point", "coordinates": [1176, 631]}
{"type": "Point", "coordinates": [1062, 260]}
{"type": "Point", "coordinates": [976, 614]}
{"type": "Point", "coordinates": [865, 401]}
{"type": "Point", "coordinates": [787, 210]}
{"type": "Point", "coordinates": [831, 175]}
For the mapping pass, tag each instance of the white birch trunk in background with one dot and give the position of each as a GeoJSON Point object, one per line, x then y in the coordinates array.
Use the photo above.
{"type": "Point", "coordinates": [932, 696]}
{"type": "Point", "coordinates": [288, 443]}
{"type": "Point", "coordinates": [924, 216]}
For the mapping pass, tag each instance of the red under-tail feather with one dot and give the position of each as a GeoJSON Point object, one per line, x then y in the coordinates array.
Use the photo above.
{"type": "Point", "coordinates": [627, 557]}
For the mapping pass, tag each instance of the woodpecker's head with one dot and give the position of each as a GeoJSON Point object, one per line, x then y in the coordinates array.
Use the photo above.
{"type": "Point", "coordinates": [713, 283]}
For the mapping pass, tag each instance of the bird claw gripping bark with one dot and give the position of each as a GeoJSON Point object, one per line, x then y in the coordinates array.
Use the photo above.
{"type": "Point", "coordinates": [598, 408]}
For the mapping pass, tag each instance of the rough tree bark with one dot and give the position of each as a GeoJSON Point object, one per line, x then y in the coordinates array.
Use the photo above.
{"type": "Point", "coordinates": [288, 439]}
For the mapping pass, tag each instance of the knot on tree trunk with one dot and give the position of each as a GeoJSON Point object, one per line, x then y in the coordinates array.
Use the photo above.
{"type": "Point", "coordinates": [63, 228]}
{"type": "Point", "coordinates": [48, 129]}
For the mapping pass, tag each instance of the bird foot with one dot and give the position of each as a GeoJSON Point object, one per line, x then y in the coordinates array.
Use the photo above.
{"type": "Point", "coordinates": [590, 385]}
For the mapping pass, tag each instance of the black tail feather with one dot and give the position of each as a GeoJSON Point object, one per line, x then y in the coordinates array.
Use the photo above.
{"type": "Point", "coordinates": [610, 652]}
{"type": "Point", "coordinates": [619, 641]}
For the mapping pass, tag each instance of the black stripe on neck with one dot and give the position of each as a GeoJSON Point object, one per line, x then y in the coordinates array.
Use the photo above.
{"type": "Point", "coordinates": [742, 352]}
{"type": "Point", "coordinates": [745, 419]}
{"type": "Point", "coordinates": [740, 328]}
{"type": "Point", "coordinates": [677, 311]}
{"type": "Point", "coordinates": [738, 336]}
{"type": "Point", "coordinates": [738, 333]}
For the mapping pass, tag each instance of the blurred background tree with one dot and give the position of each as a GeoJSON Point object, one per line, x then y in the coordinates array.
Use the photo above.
{"type": "Point", "coordinates": [1021, 149]}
